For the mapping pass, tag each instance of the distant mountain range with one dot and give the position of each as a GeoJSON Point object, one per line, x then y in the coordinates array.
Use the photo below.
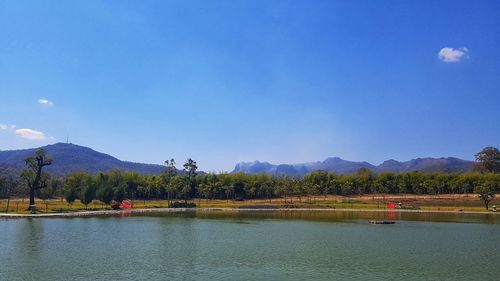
{"type": "Point", "coordinates": [341, 166]}
{"type": "Point", "coordinates": [69, 158]}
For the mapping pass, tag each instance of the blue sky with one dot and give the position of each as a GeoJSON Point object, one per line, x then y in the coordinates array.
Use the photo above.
{"type": "Point", "coordinates": [230, 81]}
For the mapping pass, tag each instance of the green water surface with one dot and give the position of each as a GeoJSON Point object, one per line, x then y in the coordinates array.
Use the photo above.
{"type": "Point", "coordinates": [252, 246]}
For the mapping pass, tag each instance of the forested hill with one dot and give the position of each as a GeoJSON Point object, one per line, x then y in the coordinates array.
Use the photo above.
{"type": "Point", "coordinates": [70, 158]}
{"type": "Point", "coordinates": [341, 166]}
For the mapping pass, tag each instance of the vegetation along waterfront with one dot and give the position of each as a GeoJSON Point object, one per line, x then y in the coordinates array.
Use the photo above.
{"type": "Point", "coordinates": [188, 188]}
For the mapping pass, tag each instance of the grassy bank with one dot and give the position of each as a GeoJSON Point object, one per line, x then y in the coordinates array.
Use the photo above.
{"type": "Point", "coordinates": [447, 202]}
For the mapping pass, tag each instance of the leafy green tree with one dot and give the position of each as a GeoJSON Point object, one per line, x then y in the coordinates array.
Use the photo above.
{"type": "Point", "coordinates": [132, 180]}
{"type": "Point", "coordinates": [190, 167]}
{"type": "Point", "coordinates": [77, 181]}
{"type": "Point", "coordinates": [170, 170]}
{"type": "Point", "coordinates": [317, 182]}
{"type": "Point", "coordinates": [34, 175]}
{"type": "Point", "coordinates": [228, 191]}
{"type": "Point", "coordinates": [88, 194]}
{"type": "Point", "coordinates": [105, 194]}
{"type": "Point", "coordinates": [334, 186]}
{"type": "Point", "coordinates": [418, 183]}
{"type": "Point", "coordinates": [404, 183]}
{"type": "Point", "coordinates": [143, 191]}
{"type": "Point", "coordinates": [57, 187]}
{"type": "Point", "coordinates": [176, 186]}
{"type": "Point", "coordinates": [268, 191]}
{"type": "Point", "coordinates": [463, 183]}
{"type": "Point", "coordinates": [70, 194]}
{"type": "Point", "coordinates": [8, 186]}
{"type": "Point", "coordinates": [365, 180]}
{"type": "Point", "coordinates": [119, 192]}
{"type": "Point", "coordinates": [209, 186]}
{"type": "Point", "coordinates": [115, 178]}
{"type": "Point", "coordinates": [104, 189]}
{"type": "Point", "coordinates": [45, 193]}
{"type": "Point", "coordinates": [204, 190]}
{"type": "Point", "coordinates": [5, 191]}
{"type": "Point", "coordinates": [239, 190]}
{"type": "Point", "coordinates": [348, 185]}
{"type": "Point", "coordinates": [189, 189]}
{"type": "Point", "coordinates": [486, 191]}
{"type": "Point", "coordinates": [442, 183]}
{"type": "Point", "coordinates": [386, 183]}
{"type": "Point", "coordinates": [156, 186]}
{"type": "Point", "coordinates": [488, 160]}
{"type": "Point", "coordinates": [3, 187]}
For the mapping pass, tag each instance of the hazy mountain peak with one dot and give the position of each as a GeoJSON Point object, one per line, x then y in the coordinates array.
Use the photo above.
{"type": "Point", "coordinates": [390, 162]}
{"type": "Point", "coordinates": [70, 158]}
{"type": "Point", "coordinates": [341, 166]}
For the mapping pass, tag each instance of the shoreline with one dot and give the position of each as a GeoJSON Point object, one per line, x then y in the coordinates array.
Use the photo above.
{"type": "Point", "coordinates": [193, 210]}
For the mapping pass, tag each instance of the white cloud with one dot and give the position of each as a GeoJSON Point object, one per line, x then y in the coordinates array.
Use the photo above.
{"type": "Point", "coordinates": [45, 102]}
{"type": "Point", "coordinates": [5, 126]}
{"type": "Point", "coordinates": [448, 54]}
{"type": "Point", "coordinates": [30, 134]}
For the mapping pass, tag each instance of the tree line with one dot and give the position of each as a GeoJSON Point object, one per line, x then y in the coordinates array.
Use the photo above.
{"type": "Point", "coordinates": [188, 184]}
{"type": "Point", "coordinates": [117, 185]}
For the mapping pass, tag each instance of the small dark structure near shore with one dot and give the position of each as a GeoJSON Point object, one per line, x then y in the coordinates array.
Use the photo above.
{"type": "Point", "coordinates": [382, 222]}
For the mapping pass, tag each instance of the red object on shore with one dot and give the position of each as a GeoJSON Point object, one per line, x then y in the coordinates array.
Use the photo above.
{"type": "Point", "coordinates": [391, 206]}
{"type": "Point", "coordinates": [126, 205]}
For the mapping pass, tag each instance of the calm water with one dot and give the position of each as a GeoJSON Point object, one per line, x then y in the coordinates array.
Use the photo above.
{"type": "Point", "coordinates": [252, 246]}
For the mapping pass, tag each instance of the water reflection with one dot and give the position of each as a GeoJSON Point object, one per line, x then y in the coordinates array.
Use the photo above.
{"type": "Point", "coordinates": [243, 245]}
{"type": "Point", "coordinates": [242, 216]}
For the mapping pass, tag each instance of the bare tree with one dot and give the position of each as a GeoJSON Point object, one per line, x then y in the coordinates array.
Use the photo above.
{"type": "Point", "coordinates": [34, 176]}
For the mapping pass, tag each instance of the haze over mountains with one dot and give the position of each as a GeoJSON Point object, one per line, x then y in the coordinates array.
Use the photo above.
{"type": "Point", "coordinates": [69, 158]}
{"type": "Point", "coordinates": [341, 166]}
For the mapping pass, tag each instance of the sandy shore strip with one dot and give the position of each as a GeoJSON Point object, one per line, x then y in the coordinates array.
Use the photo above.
{"type": "Point", "coordinates": [193, 210]}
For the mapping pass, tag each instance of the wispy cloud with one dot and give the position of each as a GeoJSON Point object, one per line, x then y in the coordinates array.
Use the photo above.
{"type": "Point", "coordinates": [448, 54]}
{"type": "Point", "coordinates": [5, 126]}
{"type": "Point", "coordinates": [30, 134]}
{"type": "Point", "coordinates": [45, 102]}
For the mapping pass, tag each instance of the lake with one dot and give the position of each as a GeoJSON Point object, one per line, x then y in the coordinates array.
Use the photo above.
{"type": "Point", "coordinates": [270, 245]}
